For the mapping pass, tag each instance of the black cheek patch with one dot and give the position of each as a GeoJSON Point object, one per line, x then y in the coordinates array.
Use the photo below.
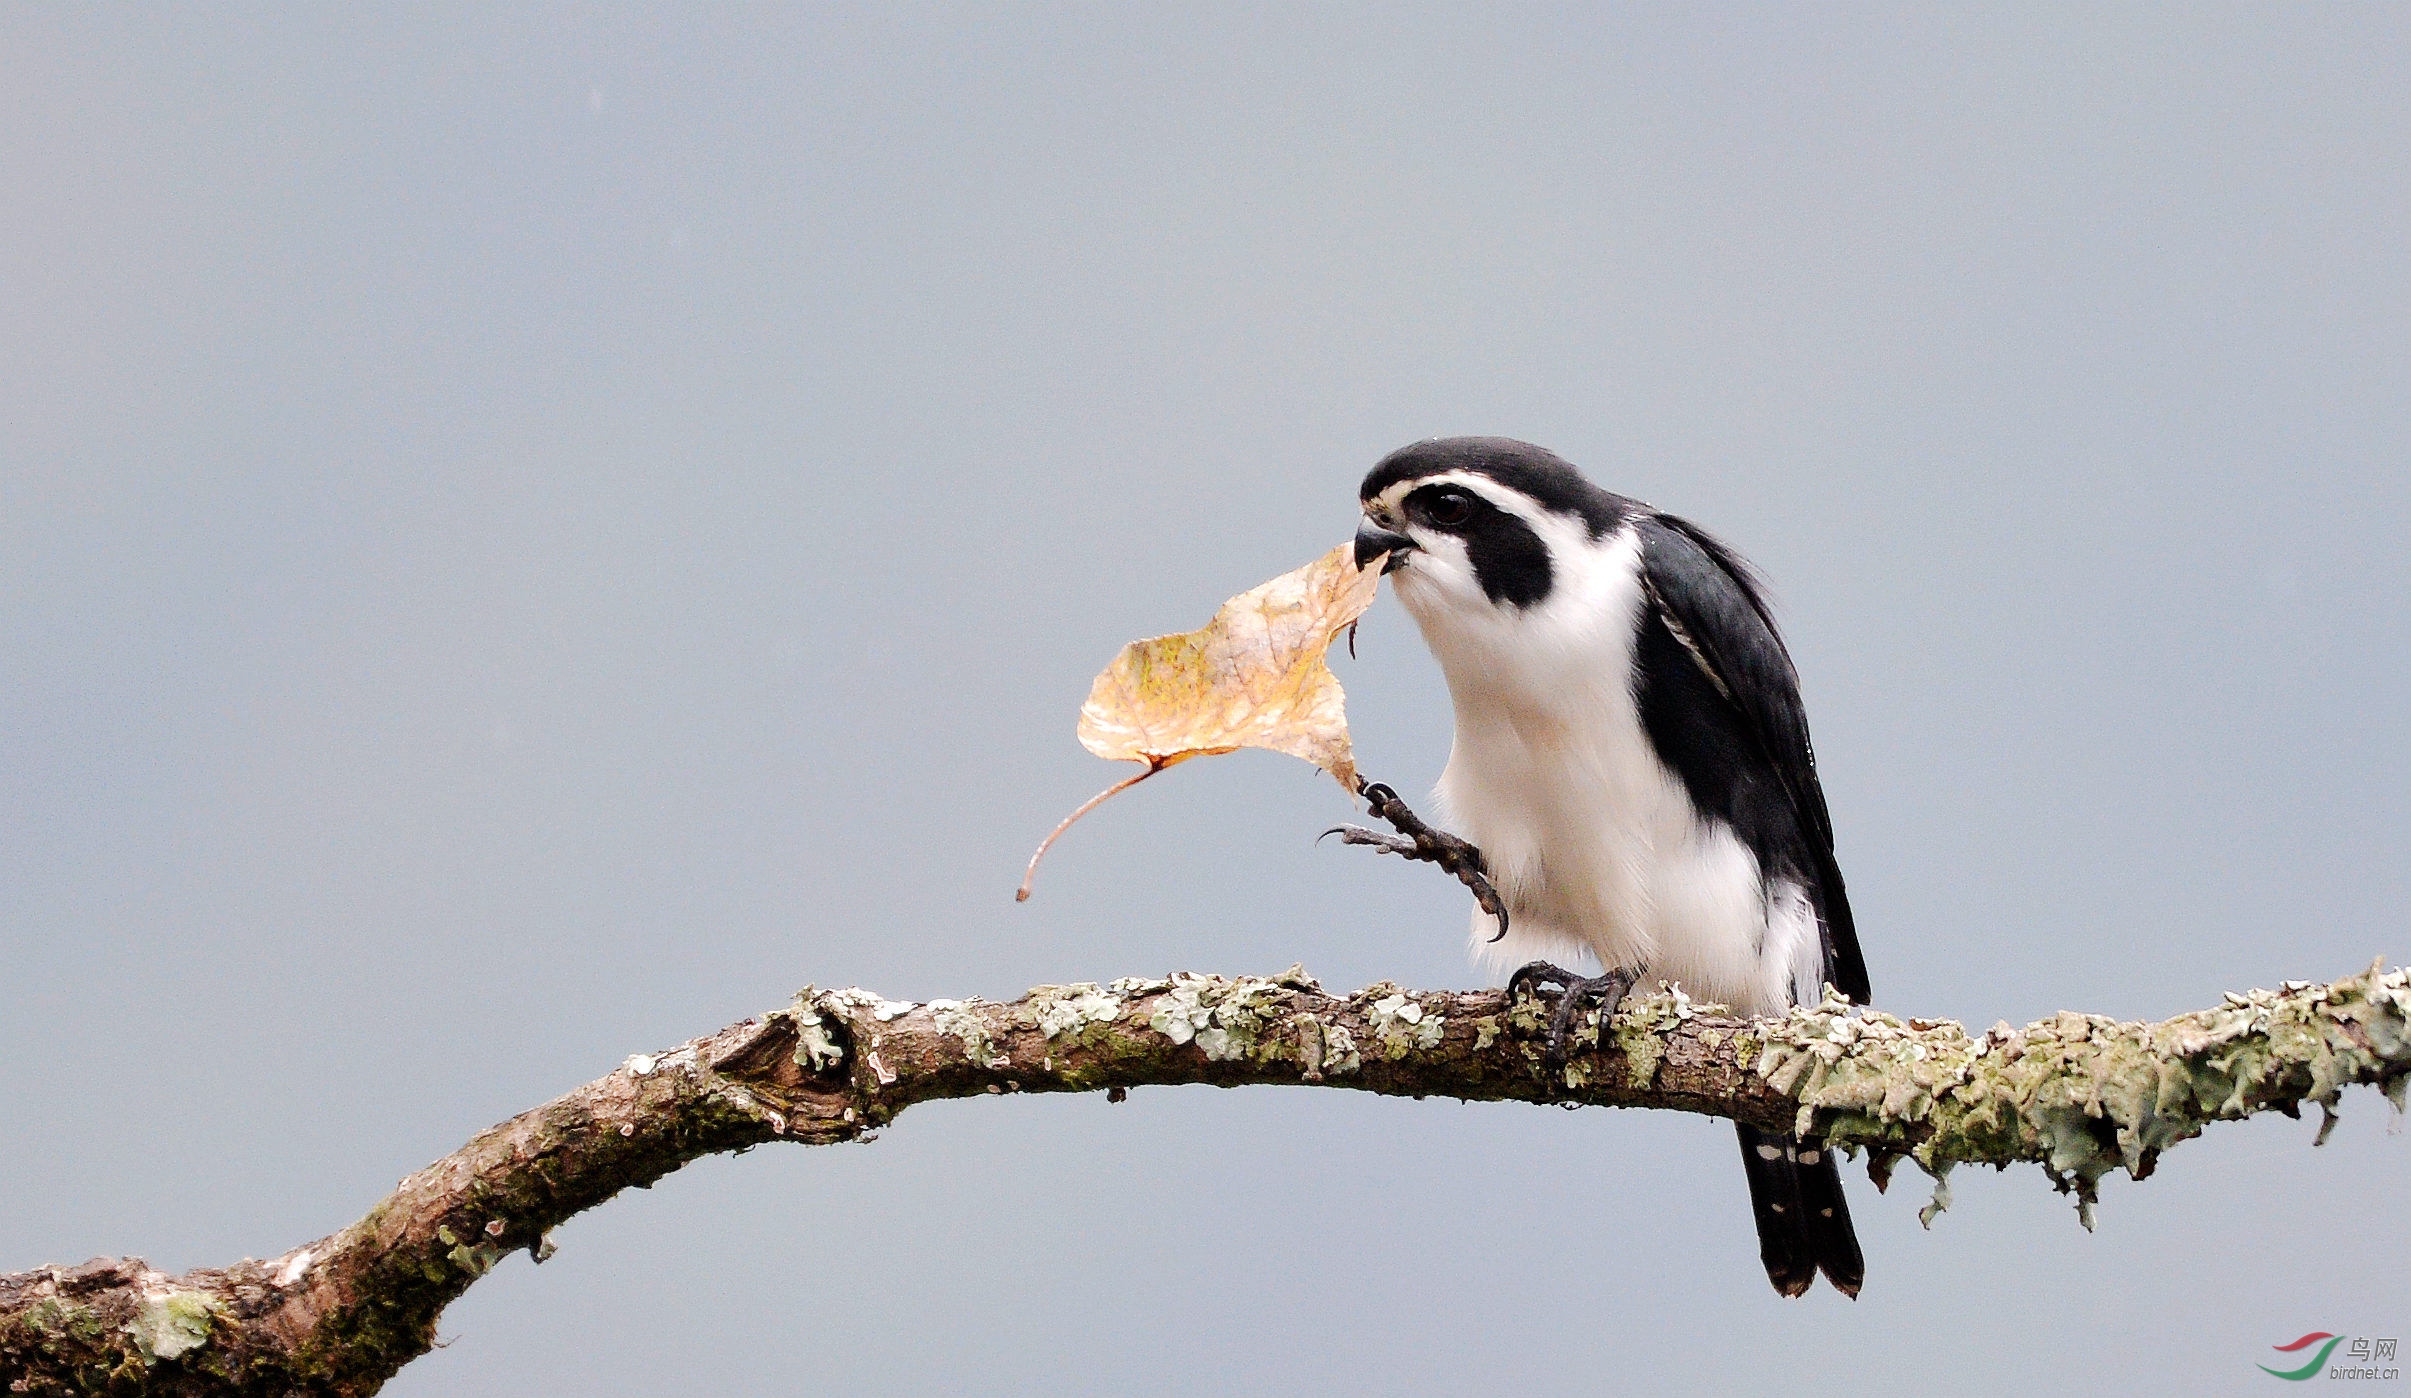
{"type": "Point", "coordinates": [1508, 558]}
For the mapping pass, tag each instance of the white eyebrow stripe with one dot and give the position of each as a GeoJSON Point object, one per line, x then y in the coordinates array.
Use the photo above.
{"type": "Point", "coordinates": [1391, 503]}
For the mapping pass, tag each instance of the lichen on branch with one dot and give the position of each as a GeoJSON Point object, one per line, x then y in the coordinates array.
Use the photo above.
{"type": "Point", "coordinates": [2079, 1095]}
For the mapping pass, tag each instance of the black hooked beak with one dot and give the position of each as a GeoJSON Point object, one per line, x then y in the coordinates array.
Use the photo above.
{"type": "Point", "coordinates": [1372, 541]}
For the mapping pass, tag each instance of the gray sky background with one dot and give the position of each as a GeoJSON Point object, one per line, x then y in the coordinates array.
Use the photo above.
{"type": "Point", "coordinates": [525, 537]}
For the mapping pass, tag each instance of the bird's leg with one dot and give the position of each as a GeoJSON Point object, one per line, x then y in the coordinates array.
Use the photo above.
{"type": "Point", "coordinates": [1416, 840]}
{"type": "Point", "coordinates": [1606, 990]}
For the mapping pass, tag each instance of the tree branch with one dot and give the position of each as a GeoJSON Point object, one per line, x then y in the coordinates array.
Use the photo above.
{"type": "Point", "coordinates": [2079, 1094]}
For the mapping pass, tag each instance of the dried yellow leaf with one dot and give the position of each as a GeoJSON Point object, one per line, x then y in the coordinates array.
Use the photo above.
{"type": "Point", "coordinates": [1252, 677]}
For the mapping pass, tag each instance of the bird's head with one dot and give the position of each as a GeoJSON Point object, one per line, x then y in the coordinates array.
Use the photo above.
{"type": "Point", "coordinates": [1477, 527]}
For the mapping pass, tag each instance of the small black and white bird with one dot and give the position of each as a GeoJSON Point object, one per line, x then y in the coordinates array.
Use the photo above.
{"type": "Point", "coordinates": [1632, 763]}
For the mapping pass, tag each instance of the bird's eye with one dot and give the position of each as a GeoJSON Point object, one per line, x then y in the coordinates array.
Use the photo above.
{"type": "Point", "coordinates": [1449, 507]}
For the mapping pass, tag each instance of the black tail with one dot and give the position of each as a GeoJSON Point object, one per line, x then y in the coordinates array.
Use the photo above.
{"type": "Point", "coordinates": [1803, 1221]}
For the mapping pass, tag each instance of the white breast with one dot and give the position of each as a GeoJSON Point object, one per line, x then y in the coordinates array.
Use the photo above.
{"type": "Point", "coordinates": [1591, 839]}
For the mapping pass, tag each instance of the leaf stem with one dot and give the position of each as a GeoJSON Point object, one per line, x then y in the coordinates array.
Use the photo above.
{"type": "Point", "coordinates": [1154, 765]}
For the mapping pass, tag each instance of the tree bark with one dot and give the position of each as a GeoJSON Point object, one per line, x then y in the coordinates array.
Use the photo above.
{"type": "Point", "coordinates": [2078, 1094]}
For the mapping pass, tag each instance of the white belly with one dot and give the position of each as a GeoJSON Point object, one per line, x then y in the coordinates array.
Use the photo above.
{"type": "Point", "coordinates": [1600, 851]}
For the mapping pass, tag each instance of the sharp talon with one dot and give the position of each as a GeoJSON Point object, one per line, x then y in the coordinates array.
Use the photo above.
{"type": "Point", "coordinates": [1488, 898]}
{"type": "Point", "coordinates": [1536, 974]}
{"type": "Point", "coordinates": [1358, 835]}
{"type": "Point", "coordinates": [1378, 793]}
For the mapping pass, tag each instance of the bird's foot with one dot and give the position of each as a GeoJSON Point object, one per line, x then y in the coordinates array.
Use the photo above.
{"type": "Point", "coordinates": [1416, 840]}
{"type": "Point", "coordinates": [1533, 975]}
{"type": "Point", "coordinates": [1607, 991]}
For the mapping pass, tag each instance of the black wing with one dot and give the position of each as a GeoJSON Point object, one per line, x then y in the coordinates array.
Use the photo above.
{"type": "Point", "coordinates": [1722, 704]}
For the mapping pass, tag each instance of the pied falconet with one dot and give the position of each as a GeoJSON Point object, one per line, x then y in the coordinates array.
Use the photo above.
{"type": "Point", "coordinates": [1632, 763]}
